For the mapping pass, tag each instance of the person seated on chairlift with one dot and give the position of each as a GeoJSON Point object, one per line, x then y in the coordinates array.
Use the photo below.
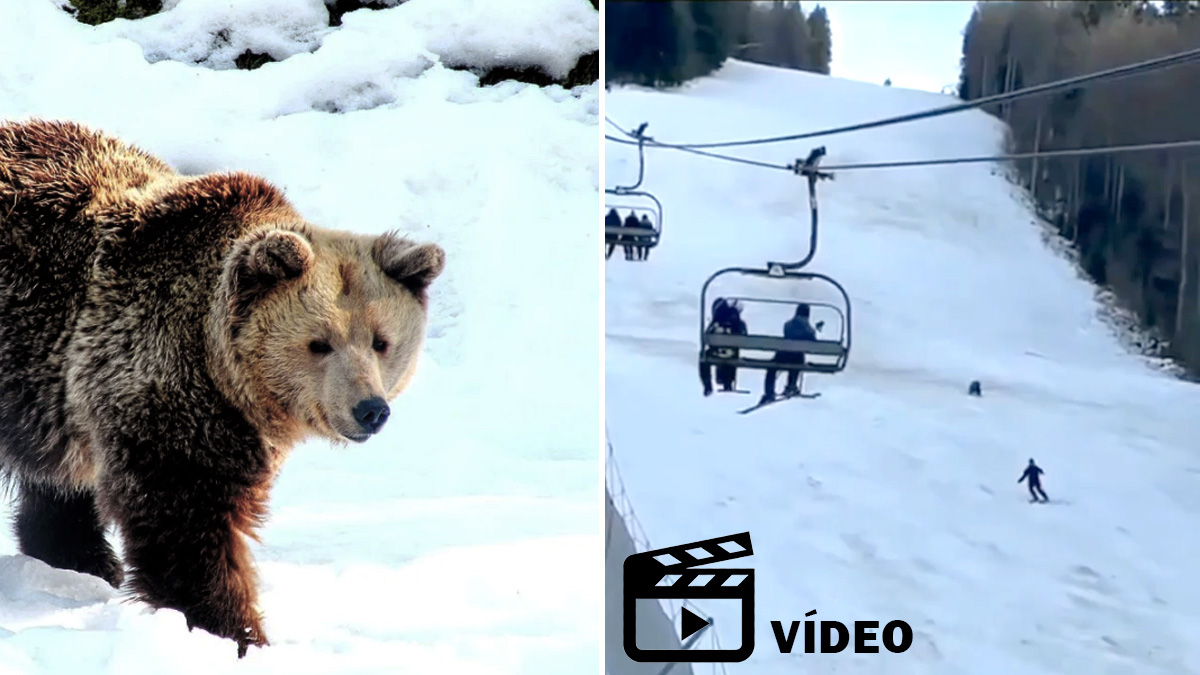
{"type": "Point", "coordinates": [613, 219]}
{"type": "Point", "coordinates": [630, 221]}
{"type": "Point", "coordinates": [726, 320]}
{"type": "Point", "coordinates": [646, 225]}
{"type": "Point", "coordinates": [797, 328]}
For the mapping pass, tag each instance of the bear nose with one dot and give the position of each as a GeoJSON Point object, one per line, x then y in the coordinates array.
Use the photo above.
{"type": "Point", "coordinates": [371, 414]}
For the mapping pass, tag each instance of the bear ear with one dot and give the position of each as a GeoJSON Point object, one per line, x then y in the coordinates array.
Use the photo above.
{"type": "Point", "coordinates": [414, 266]}
{"type": "Point", "coordinates": [276, 255]}
{"type": "Point", "coordinates": [262, 261]}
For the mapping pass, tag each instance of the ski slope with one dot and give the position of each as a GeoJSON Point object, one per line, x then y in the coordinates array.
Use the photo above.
{"type": "Point", "coordinates": [451, 542]}
{"type": "Point", "coordinates": [894, 495]}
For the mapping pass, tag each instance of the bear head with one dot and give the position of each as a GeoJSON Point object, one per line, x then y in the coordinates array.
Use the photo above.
{"type": "Point", "coordinates": [315, 331]}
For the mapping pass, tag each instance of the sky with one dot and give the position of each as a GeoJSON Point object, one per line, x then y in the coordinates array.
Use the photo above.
{"type": "Point", "coordinates": [916, 44]}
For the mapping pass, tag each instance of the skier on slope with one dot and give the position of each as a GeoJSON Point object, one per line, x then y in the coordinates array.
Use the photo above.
{"type": "Point", "coordinates": [1033, 472]}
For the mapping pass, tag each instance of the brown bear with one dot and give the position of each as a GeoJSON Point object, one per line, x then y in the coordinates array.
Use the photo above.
{"type": "Point", "coordinates": [164, 341]}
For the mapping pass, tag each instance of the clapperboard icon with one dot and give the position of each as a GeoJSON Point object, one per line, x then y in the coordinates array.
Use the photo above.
{"type": "Point", "coordinates": [667, 573]}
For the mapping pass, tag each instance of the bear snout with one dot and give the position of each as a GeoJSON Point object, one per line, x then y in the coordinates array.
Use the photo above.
{"type": "Point", "coordinates": [371, 414]}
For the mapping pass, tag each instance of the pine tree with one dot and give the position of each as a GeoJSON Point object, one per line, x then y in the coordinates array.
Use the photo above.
{"type": "Point", "coordinates": [965, 81]}
{"type": "Point", "coordinates": [640, 43]}
{"type": "Point", "coordinates": [821, 47]}
{"type": "Point", "coordinates": [714, 27]}
{"type": "Point", "coordinates": [667, 43]}
{"type": "Point", "coordinates": [794, 41]}
{"type": "Point", "coordinates": [778, 34]}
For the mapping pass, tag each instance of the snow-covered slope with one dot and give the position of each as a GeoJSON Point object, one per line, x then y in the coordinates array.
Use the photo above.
{"type": "Point", "coordinates": [894, 495]}
{"type": "Point", "coordinates": [452, 541]}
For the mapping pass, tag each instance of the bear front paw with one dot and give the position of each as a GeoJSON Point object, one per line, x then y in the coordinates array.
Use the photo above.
{"type": "Point", "coordinates": [112, 571]}
{"type": "Point", "coordinates": [246, 631]}
{"type": "Point", "coordinates": [251, 636]}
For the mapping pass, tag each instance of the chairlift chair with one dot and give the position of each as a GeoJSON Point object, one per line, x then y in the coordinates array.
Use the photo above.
{"type": "Point", "coordinates": [831, 355]}
{"type": "Point", "coordinates": [639, 203]}
{"type": "Point", "coordinates": [821, 355]}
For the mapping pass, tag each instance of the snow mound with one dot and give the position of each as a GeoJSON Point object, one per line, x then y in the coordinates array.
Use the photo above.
{"type": "Point", "coordinates": [25, 580]}
{"type": "Point", "coordinates": [214, 33]}
{"type": "Point", "coordinates": [551, 34]}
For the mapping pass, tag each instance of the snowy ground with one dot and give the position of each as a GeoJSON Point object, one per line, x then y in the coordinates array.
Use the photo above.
{"type": "Point", "coordinates": [894, 495]}
{"type": "Point", "coordinates": [452, 542]}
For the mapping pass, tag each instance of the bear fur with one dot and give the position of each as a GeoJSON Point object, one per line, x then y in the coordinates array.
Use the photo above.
{"type": "Point", "coordinates": [164, 341]}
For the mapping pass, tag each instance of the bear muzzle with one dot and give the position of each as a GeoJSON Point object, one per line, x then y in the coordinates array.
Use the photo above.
{"type": "Point", "coordinates": [371, 414]}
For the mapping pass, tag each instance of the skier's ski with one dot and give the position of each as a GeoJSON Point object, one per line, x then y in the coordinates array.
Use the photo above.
{"type": "Point", "coordinates": [763, 404]}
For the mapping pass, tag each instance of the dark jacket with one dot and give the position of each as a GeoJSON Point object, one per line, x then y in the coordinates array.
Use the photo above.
{"type": "Point", "coordinates": [1033, 473]}
{"type": "Point", "coordinates": [799, 328]}
{"type": "Point", "coordinates": [630, 221]}
{"type": "Point", "coordinates": [726, 321]}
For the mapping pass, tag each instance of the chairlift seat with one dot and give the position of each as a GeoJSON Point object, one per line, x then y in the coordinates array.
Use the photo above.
{"type": "Point", "coordinates": [630, 235]}
{"type": "Point", "coordinates": [763, 364]}
{"type": "Point", "coordinates": [775, 344]}
{"type": "Point", "coordinates": [624, 200]}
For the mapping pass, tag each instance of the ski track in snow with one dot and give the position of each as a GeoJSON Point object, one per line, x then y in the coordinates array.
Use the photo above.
{"type": "Point", "coordinates": [894, 494]}
{"type": "Point", "coordinates": [453, 541]}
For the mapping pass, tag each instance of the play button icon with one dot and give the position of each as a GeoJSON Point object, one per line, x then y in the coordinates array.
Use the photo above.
{"type": "Point", "coordinates": [692, 623]}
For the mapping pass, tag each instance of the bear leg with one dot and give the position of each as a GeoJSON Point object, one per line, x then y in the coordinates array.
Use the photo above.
{"type": "Point", "coordinates": [63, 530]}
{"type": "Point", "coordinates": [185, 545]}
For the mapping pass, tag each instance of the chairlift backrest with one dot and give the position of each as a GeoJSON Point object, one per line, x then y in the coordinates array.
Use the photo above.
{"type": "Point", "coordinates": [820, 312]}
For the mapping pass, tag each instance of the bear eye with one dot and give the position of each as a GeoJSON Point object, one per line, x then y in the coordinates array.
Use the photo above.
{"type": "Point", "coordinates": [319, 347]}
{"type": "Point", "coordinates": [380, 345]}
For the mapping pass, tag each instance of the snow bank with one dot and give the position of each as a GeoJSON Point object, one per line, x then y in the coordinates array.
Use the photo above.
{"type": "Point", "coordinates": [213, 33]}
{"type": "Point", "coordinates": [551, 34]}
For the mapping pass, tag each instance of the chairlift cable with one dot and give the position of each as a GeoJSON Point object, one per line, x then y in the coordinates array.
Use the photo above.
{"type": "Point", "coordinates": [1139, 68]}
{"type": "Point", "coordinates": [1072, 152]}
{"type": "Point", "coordinates": [714, 155]}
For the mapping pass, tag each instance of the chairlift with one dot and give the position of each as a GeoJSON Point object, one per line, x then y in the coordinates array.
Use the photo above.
{"type": "Point", "coordinates": [628, 201]}
{"type": "Point", "coordinates": [642, 205]}
{"type": "Point", "coordinates": [823, 355]}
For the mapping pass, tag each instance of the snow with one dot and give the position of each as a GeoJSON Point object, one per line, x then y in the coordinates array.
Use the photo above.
{"type": "Point", "coordinates": [552, 34]}
{"type": "Point", "coordinates": [894, 494]}
{"type": "Point", "coordinates": [460, 538]}
{"type": "Point", "coordinates": [214, 33]}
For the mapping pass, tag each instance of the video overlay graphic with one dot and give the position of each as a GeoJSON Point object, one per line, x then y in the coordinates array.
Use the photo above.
{"type": "Point", "coordinates": [648, 576]}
